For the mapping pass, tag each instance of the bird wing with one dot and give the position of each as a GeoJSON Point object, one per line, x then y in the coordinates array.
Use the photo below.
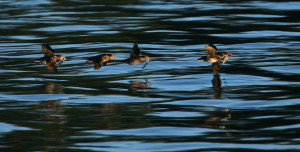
{"type": "Point", "coordinates": [48, 51]}
{"type": "Point", "coordinates": [203, 58]}
{"type": "Point", "coordinates": [98, 65]}
{"type": "Point", "coordinates": [209, 48]}
{"type": "Point", "coordinates": [91, 59]}
{"type": "Point", "coordinates": [211, 51]}
{"type": "Point", "coordinates": [213, 46]}
{"type": "Point", "coordinates": [97, 58]}
{"type": "Point", "coordinates": [135, 51]}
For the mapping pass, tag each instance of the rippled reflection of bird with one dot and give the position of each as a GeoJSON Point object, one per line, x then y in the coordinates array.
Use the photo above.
{"type": "Point", "coordinates": [50, 59]}
{"type": "Point", "coordinates": [215, 57]}
{"type": "Point", "coordinates": [139, 87]}
{"type": "Point", "coordinates": [217, 84]}
{"type": "Point", "coordinates": [100, 60]}
{"type": "Point", "coordinates": [135, 56]}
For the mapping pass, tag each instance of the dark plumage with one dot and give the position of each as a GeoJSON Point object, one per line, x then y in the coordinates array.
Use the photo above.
{"type": "Point", "coordinates": [50, 59]}
{"type": "Point", "coordinates": [135, 56]}
{"type": "Point", "coordinates": [215, 57]}
{"type": "Point", "coordinates": [100, 60]}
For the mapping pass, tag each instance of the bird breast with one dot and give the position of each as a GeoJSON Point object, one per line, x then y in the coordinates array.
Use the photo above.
{"type": "Point", "coordinates": [212, 60]}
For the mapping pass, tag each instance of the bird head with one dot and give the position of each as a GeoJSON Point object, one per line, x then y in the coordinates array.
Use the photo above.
{"type": "Point", "coordinates": [61, 59]}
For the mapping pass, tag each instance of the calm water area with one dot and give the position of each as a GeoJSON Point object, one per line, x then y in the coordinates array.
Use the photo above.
{"type": "Point", "coordinates": [174, 104]}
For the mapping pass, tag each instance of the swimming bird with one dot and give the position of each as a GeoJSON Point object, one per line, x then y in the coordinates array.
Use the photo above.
{"type": "Point", "coordinates": [215, 57]}
{"type": "Point", "coordinates": [136, 58]}
{"type": "Point", "coordinates": [50, 59]}
{"type": "Point", "coordinates": [100, 60]}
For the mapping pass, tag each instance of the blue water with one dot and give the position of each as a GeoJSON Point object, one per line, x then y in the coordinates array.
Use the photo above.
{"type": "Point", "coordinates": [176, 103]}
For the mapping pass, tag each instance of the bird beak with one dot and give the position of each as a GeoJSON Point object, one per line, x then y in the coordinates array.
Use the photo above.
{"type": "Point", "coordinates": [61, 61]}
{"type": "Point", "coordinates": [147, 60]}
{"type": "Point", "coordinates": [225, 59]}
{"type": "Point", "coordinates": [37, 61]}
{"type": "Point", "coordinates": [145, 64]}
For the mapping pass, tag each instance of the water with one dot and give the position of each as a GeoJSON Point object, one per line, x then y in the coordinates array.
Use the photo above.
{"type": "Point", "coordinates": [175, 103]}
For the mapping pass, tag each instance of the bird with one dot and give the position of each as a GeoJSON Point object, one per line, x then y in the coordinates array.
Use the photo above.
{"type": "Point", "coordinates": [215, 57]}
{"type": "Point", "coordinates": [50, 59]}
{"type": "Point", "coordinates": [136, 58]}
{"type": "Point", "coordinates": [100, 60]}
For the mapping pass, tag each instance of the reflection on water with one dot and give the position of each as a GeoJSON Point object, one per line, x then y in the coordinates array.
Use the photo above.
{"type": "Point", "coordinates": [137, 87]}
{"type": "Point", "coordinates": [54, 88]}
{"type": "Point", "coordinates": [220, 121]}
{"type": "Point", "coordinates": [176, 103]}
{"type": "Point", "coordinates": [217, 84]}
{"type": "Point", "coordinates": [54, 109]}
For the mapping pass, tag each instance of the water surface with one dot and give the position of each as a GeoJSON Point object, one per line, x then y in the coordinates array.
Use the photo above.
{"type": "Point", "coordinates": [176, 103]}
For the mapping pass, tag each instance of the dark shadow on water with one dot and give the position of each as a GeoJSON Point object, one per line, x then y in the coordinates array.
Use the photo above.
{"type": "Point", "coordinates": [54, 88]}
{"type": "Point", "coordinates": [137, 87]}
{"type": "Point", "coordinates": [217, 86]}
{"type": "Point", "coordinates": [54, 109]}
